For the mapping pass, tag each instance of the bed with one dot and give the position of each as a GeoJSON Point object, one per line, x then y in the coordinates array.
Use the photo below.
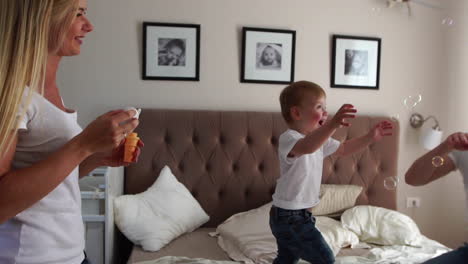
{"type": "Point", "coordinates": [228, 161]}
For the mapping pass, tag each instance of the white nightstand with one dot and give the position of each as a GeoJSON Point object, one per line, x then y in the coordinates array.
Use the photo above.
{"type": "Point", "coordinates": [93, 208]}
{"type": "Point", "coordinates": [98, 191]}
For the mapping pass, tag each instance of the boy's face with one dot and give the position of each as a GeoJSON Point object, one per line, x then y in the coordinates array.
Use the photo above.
{"type": "Point", "coordinates": [311, 113]}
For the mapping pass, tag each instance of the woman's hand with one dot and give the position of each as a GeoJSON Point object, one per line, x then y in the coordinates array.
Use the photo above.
{"type": "Point", "coordinates": [458, 141]}
{"type": "Point", "coordinates": [107, 132]}
{"type": "Point", "coordinates": [115, 158]}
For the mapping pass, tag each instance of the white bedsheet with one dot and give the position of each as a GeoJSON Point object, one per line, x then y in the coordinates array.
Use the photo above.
{"type": "Point", "coordinates": [184, 260]}
{"type": "Point", "coordinates": [380, 255]}
{"type": "Point", "coordinates": [399, 254]}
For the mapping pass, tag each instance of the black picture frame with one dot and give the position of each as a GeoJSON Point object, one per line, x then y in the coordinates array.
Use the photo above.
{"type": "Point", "coordinates": [168, 68]}
{"type": "Point", "coordinates": [286, 39]}
{"type": "Point", "coordinates": [348, 51]}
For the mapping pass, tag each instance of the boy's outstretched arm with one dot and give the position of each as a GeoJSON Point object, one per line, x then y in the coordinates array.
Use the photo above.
{"type": "Point", "coordinates": [382, 129]}
{"type": "Point", "coordinates": [313, 141]}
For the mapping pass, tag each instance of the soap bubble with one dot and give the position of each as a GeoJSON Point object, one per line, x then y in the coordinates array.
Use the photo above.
{"type": "Point", "coordinates": [448, 21]}
{"type": "Point", "coordinates": [438, 161]}
{"type": "Point", "coordinates": [376, 11]}
{"type": "Point", "coordinates": [395, 117]}
{"type": "Point", "coordinates": [391, 183]}
{"type": "Point", "coordinates": [411, 101]}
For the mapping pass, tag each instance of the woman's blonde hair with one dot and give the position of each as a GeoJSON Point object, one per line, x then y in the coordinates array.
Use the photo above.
{"type": "Point", "coordinates": [29, 30]}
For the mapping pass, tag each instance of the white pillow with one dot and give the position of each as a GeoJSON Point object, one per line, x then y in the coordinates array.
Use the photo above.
{"type": "Point", "coordinates": [155, 217]}
{"type": "Point", "coordinates": [336, 198]}
{"type": "Point", "coordinates": [336, 236]}
{"type": "Point", "coordinates": [381, 226]}
{"type": "Point", "coordinates": [247, 236]}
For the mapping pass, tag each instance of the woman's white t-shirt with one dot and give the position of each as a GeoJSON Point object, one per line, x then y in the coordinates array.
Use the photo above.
{"type": "Point", "coordinates": [50, 231]}
{"type": "Point", "coordinates": [460, 159]}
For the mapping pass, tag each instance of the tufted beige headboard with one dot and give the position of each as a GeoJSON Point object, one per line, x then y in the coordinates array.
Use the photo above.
{"type": "Point", "coordinates": [228, 160]}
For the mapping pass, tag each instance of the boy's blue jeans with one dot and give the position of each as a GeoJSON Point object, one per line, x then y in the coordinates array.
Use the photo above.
{"type": "Point", "coordinates": [298, 238]}
{"type": "Point", "coordinates": [457, 256]}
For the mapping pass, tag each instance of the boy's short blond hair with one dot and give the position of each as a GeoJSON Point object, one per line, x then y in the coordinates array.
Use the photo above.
{"type": "Point", "coordinates": [293, 95]}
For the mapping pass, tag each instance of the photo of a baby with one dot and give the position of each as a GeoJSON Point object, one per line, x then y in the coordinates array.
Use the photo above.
{"type": "Point", "coordinates": [269, 56]}
{"type": "Point", "coordinates": [171, 52]}
{"type": "Point", "coordinates": [356, 62]}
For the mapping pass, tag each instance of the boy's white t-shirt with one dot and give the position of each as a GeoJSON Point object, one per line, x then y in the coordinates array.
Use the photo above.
{"type": "Point", "coordinates": [299, 184]}
{"type": "Point", "coordinates": [460, 159]}
{"type": "Point", "coordinates": [51, 231]}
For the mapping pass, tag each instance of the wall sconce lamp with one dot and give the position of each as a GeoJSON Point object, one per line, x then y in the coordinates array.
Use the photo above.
{"type": "Point", "coordinates": [432, 137]}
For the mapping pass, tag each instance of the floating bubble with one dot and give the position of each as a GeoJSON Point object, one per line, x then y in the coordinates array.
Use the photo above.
{"type": "Point", "coordinates": [391, 183]}
{"type": "Point", "coordinates": [376, 10]}
{"type": "Point", "coordinates": [438, 161]}
{"type": "Point", "coordinates": [395, 117]}
{"type": "Point", "coordinates": [411, 101]}
{"type": "Point", "coordinates": [448, 21]}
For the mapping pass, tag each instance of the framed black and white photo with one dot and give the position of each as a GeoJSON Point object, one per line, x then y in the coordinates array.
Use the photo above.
{"type": "Point", "coordinates": [171, 51]}
{"type": "Point", "coordinates": [355, 62]}
{"type": "Point", "coordinates": [268, 55]}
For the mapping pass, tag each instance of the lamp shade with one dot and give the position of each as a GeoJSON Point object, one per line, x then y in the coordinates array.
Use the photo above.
{"type": "Point", "coordinates": [431, 138]}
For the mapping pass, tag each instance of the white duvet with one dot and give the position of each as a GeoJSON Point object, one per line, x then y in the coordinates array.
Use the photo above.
{"type": "Point", "coordinates": [399, 254]}
{"type": "Point", "coordinates": [246, 238]}
{"type": "Point", "coordinates": [380, 255]}
{"type": "Point", "coordinates": [184, 260]}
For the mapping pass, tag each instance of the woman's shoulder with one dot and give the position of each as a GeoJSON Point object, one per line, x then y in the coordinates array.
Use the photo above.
{"type": "Point", "coordinates": [31, 96]}
{"type": "Point", "coordinates": [31, 101]}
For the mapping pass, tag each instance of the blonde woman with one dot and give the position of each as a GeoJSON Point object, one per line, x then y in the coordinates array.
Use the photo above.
{"type": "Point", "coordinates": [43, 151]}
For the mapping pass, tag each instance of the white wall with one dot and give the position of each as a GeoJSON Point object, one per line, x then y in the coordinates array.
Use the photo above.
{"type": "Point", "coordinates": [107, 74]}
